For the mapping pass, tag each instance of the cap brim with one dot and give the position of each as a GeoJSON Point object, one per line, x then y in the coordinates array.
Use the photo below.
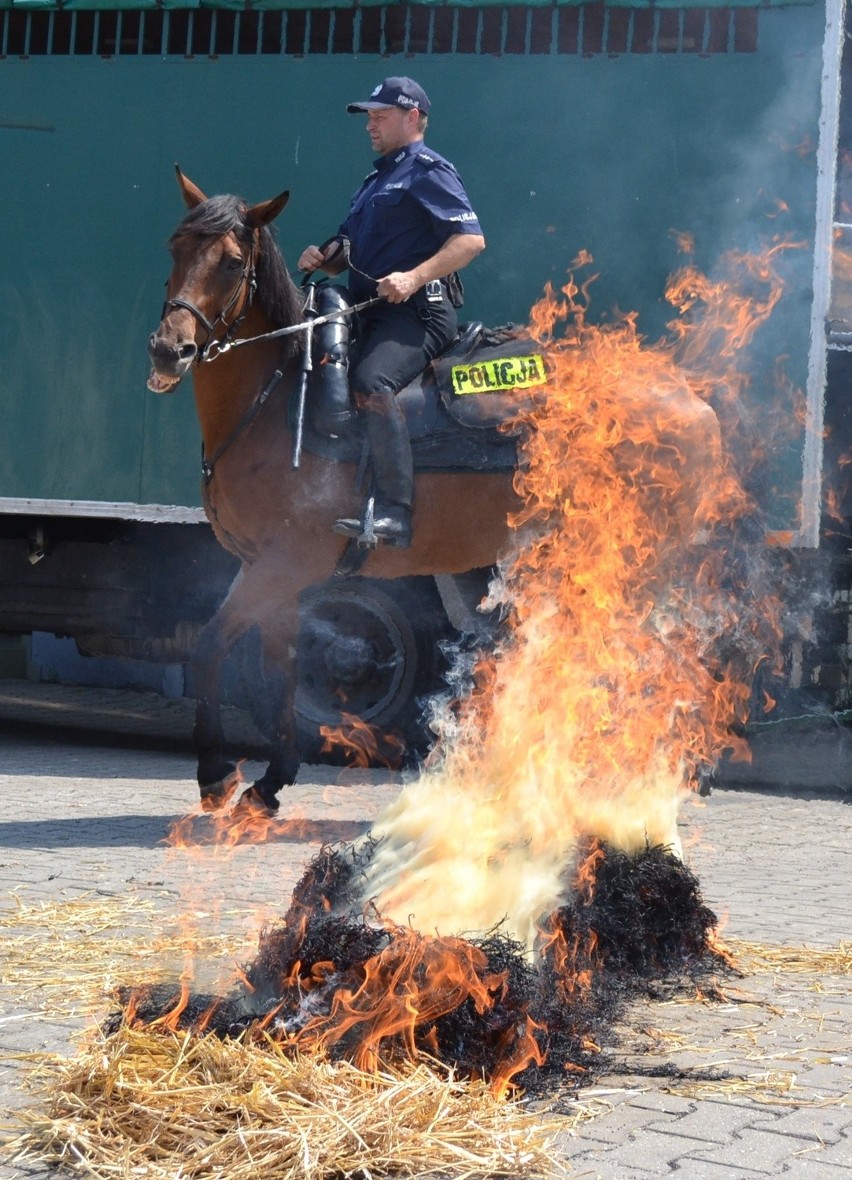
{"type": "Point", "coordinates": [355, 107]}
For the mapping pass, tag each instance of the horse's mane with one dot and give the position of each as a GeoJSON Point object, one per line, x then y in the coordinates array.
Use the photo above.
{"type": "Point", "coordinates": [276, 292]}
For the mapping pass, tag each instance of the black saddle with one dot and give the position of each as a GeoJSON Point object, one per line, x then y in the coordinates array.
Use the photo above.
{"type": "Point", "coordinates": [461, 411]}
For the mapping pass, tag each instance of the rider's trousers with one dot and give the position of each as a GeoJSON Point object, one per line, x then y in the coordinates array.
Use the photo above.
{"type": "Point", "coordinates": [395, 342]}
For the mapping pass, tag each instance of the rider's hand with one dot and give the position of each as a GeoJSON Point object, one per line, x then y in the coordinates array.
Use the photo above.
{"type": "Point", "coordinates": [311, 259]}
{"type": "Point", "coordinates": [397, 286]}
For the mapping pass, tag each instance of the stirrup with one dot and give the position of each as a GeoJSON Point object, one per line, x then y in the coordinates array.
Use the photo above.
{"type": "Point", "coordinates": [368, 538]}
{"type": "Point", "coordinates": [364, 533]}
{"type": "Point", "coordinates": [361, 531]}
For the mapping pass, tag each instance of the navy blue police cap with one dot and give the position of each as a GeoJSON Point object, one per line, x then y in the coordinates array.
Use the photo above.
{"type": "Point", "coordinates": [394, 92]}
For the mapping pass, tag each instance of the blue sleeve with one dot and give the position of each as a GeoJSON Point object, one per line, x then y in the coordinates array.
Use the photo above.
{"type": "Point", "coordinates": [440, 191]}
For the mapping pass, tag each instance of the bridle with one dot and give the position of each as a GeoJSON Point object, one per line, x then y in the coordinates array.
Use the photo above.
{"type": "Point", "coordinates": [248, 278]}
{"type": "Point", "coordinates": [212, 348]}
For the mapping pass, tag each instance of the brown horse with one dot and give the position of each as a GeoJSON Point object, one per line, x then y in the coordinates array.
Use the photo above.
{"type": "Point", "coordinates": [278, 520]}
{"type": "Point", "coordinates": [229, 276]}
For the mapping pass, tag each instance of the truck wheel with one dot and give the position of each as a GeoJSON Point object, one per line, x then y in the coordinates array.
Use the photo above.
{"type": "Point", "coordinates": [369, 649]}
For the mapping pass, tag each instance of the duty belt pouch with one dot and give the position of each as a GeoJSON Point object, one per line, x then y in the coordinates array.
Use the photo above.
{"type": "Point", "coordinates": [493, 384]}
{"type": "Point", "coordinates": [455, 289]}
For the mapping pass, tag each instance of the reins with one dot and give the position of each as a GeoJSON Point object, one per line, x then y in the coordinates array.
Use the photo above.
{"type": "Point", "coordinates": [225, 345]}
{"type": "Point", "coordinates": [217, 348]}
{"type": "Point", "coordinates": [207, 465]}
{"type": "Point", "coordinates": [248, 277]}
{"type": "Point", "coordinates": [212, 348]}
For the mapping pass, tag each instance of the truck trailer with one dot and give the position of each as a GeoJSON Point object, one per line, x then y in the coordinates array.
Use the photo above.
{"type": "Point", "coordinates": [618, 129]}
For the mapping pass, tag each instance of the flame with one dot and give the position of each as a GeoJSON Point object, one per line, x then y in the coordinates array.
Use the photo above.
{"type": "Point", "coordinates": [404, 989]}
{"type": "Point", "coordinates": [803, 148]}
{"type": "Point", "coordinates": [841, 258]}
{"type": "Point", "coordinates": [171, 1019]}
{"type": "Point", "coordinates": [574, 964]}
{"type": "Point", "coordinates": [587, 871]}
{"type": "Point", "coordinates": [238, 822]}
{"type": "Point", "coordinates": [615, 683]}
{"type": "Point", "coordinates": [362, 744]}
{"type": "Point", "coordinates": [833, 505]}
{"type": "Point", "coordinates": [684, 240]}
{"type": "Point", "coordinates": [718, 946]}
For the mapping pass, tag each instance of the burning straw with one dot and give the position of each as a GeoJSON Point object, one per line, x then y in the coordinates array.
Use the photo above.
{"type": "Point", "coordinates": [271, 1078]}
{"type": "Point", "coordinates": [330, 981]}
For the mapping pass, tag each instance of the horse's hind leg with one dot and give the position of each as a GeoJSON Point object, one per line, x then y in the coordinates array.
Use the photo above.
{"type": "Point", "coordinates": [279, 627]}
{"type": "Point", "coordinates": [279, 684]}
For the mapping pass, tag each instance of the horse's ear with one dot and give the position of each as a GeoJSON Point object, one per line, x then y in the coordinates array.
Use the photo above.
{"type": "Point", "coordinates": [266, 211]}
{"type": "Point", "coordinates": [192, 194]}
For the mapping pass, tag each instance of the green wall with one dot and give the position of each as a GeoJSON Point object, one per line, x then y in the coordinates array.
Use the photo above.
{"type": "Point", "coordinates": [559, 153]}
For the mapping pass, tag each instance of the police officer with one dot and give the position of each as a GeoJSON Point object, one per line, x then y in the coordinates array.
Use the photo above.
{"type": "Point", "coordinates": [410, 228]}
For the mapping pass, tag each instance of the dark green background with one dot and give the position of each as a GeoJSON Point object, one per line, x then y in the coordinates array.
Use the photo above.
{"type": "Point", "coordinates": [559, 153]}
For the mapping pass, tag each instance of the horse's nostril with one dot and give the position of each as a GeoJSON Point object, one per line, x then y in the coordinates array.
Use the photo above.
{"type": "Point", "coordinates": [187, 351]}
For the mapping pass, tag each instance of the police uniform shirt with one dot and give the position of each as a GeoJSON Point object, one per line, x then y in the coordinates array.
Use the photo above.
{"type": "Point", "coordinates": [402, 214]}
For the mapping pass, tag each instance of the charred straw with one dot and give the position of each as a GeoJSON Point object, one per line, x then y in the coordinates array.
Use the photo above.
{"type": "Point", "coordinates": [640, 924]}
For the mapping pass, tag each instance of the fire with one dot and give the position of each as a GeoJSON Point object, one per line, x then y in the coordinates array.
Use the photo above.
{"type": "Point", "coordinates": [411, 982]}
{"type": "Point", "coordinates": [685, 241]}
{"type": "Point", "coordinates": [330, 981]}
{"type": "Point", "coordinates": [538, 849]}
{"type": "Point", "coordinates": [171, 1019]}
{"type": "Point", "coordinates": [841, 274]}
{"type": "Point", "coordinates": [393, 1005]}
{"type": "Point", "coordinates": [361, 744]}
{"type": "Point", "coordinates": [234, 824]}
{"type": "Point", "coordinates": [615, 683]}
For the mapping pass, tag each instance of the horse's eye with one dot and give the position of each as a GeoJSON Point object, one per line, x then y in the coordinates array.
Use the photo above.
{"type": "Point", "coordinates": [234, 264]}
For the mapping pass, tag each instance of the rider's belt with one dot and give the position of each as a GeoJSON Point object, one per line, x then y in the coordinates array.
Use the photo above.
{"type": "Point", "coordinates": [434, 291]}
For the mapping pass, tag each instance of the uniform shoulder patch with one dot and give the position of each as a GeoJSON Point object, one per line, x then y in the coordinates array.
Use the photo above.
{"type": "Point", "coordinates": [426, 158]}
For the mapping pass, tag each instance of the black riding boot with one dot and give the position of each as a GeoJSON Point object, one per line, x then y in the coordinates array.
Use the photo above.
{"type": "Point", "coordinates": [393, 472]}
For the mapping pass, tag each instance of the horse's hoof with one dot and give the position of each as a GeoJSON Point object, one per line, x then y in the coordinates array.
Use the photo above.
{"type": "Point", "coordinates": [256, 799]}
{"type": "Point", "coordinates": [215, 795]}
{"type": "Point", "coordinates": [214, 798]}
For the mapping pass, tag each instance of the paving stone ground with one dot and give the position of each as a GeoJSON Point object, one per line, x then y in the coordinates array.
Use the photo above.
{"type": "Point", "coordinates": [87, 820]}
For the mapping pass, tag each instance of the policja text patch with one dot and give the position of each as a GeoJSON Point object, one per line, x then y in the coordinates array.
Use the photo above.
{"type": "Point", "coordinates": [505, 372]}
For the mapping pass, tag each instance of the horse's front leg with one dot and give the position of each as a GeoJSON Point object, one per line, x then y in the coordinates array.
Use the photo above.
{"type": "Point", "coordinates": [214, 772]}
